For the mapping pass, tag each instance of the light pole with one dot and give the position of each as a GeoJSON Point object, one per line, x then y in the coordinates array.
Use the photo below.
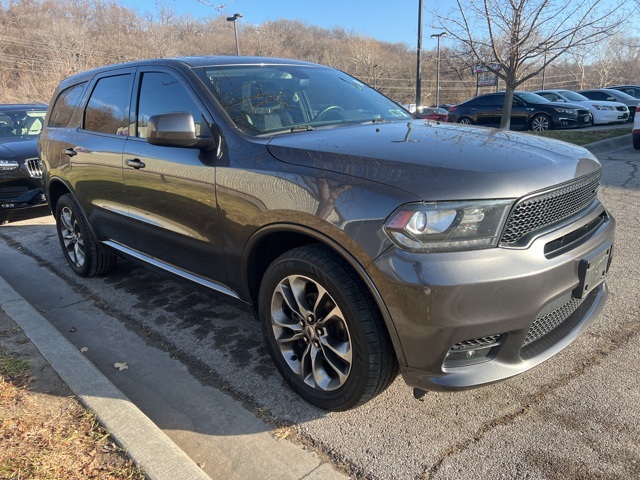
{"type": "Point", "coordinates": [375, 77]}
{"type": "Point", "coordinates": [233, 19]}
{"type": "Point", "coordinates": [419, 54]}
{"type": "Point", "coordinates": [438, 35]}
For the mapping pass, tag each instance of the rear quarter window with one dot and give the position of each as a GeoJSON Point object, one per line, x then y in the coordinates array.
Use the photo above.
{"type": "Point", "coordinates": [65, 105]}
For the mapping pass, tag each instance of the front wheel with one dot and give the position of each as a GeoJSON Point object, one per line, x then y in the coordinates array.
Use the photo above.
{"type": "Point", "coordinates": [82, 251]}
{"type": "Point", "coordinates": [636, 142]}
{"type": "Point", "coordinates": [323, 330]}
{"type": "Point", "coordinates": [540, 123]}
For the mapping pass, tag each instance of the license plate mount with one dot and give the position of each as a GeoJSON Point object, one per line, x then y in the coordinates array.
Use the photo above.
{"type": "Point", "coordinates": [592, 272]}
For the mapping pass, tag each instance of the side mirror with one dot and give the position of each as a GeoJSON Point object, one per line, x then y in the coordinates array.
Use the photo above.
{"type": "Point", "coordinates": [176, 130]}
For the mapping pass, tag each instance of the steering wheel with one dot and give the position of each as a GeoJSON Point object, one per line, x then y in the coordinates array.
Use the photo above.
{"type": "Point", "coordinates": [326, 111]}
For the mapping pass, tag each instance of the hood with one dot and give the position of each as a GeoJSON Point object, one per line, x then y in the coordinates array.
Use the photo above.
{"type": "Point", "coordinates": [19, 150]}
{"type": "Point", "coordinates": [438, 161]}
{"type": "Point", "coordinates": [575, 106]}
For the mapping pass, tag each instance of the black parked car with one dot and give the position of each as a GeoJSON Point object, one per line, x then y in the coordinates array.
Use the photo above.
{"type": "Point", "coordinates": [364, 240]}
{"type": "Point", "coordinates": [529, 112]}
{"type": "Point", "coordinates": [20, 171]}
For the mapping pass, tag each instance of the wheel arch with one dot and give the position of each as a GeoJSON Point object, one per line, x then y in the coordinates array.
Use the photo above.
{"type": "Point", "coordinates": [273, 240]}
{"type": "Point", "coordinates": [55, 189]}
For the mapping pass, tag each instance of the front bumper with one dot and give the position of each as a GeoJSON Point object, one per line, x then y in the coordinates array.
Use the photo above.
{"type": "Point", "coordinates": [439, 301]}
{"type": "Point", "coordinates": [573, 122]}
{"type": "Point", "coordinates": [22, 187]}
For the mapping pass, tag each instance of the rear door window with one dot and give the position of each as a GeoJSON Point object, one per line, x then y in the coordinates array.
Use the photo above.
{"type": "Point", "coordinates": [106, 110]}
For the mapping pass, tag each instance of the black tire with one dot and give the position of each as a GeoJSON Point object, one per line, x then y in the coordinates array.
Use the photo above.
{"type": "Point", "coordinates": [4, 218]}
{"type": "Point", "coordinates": [83, 253]}
{"type": "Point", "coordinates": [350, 350]}
{"type": "Point", "coordinates": [465, 121]}
{"type": "Point", "coordinates": [636, 142]}
{"type": "Point", "coordinates": [540, 123]}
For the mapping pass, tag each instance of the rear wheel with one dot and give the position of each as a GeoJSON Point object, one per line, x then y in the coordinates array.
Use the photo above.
{"type": "Point", "coordinates": [323, 330]}
{"type": "Point", "coordinates": [465, 121]}
{"type": "Point", "coordinates": [82, 251]}
{"type": "Point", "coordinates": [636, 142]}
{"type": "Point", "coordinates": [540, 123]}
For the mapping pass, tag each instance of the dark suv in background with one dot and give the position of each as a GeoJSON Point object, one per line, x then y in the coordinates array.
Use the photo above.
{"type": "Point", "coordinates": [363, 239]}
{"type": "Point", "coordinates": [528, 112]}
{"type": "Point", "coordinates": [20, 170]}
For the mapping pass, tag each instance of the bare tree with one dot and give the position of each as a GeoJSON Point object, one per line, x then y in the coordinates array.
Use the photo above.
{"type": "Point", "coordinates": [522, 37]}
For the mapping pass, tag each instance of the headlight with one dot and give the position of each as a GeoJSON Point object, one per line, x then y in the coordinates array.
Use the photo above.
{"type": "Point", "coordinates": [603, 107]}
{"type": "Point", "coordinates": [568, 111]}
{"type": "Point", "coordinates": [6, 165]}
{"type": "Point", "coordinates": [447, 226]}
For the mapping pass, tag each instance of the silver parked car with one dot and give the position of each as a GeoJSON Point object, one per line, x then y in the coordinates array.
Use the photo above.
{"type": "Point", "coordinates": [612, 95]}
{"type": "Point", "coordinates": [602, 111]}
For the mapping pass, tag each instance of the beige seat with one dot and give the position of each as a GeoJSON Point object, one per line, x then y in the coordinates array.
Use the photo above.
{"type": "Point", "coordinates": [33, 126]}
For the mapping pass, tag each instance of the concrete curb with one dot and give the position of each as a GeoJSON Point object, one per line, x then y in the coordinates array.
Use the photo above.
{"type": "Point", "coordinates": [609, 144]}
{"type": "Point", "coordinates": [147, 445]}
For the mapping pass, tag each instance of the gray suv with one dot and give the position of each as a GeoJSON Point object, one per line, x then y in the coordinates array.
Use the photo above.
{"type": "Point", "coordinates": [364, 240]}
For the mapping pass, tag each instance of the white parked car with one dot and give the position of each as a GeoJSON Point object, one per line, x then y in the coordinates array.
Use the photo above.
{"type": "Point", "coordinates": [635, 134]}
{"type": "Point", "coordinates": [602, 111]}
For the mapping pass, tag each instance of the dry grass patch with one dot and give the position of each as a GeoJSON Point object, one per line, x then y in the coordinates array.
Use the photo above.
{"type": "Point", "coordinates": [48, 436]}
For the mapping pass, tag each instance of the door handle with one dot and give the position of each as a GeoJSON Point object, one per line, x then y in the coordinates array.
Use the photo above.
{"type": "Point", "coordinates": [69, 152]}
{"type": "Point", "coordinates": [135, 163]}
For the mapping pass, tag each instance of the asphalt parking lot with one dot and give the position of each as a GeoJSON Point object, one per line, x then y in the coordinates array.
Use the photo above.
{"type": "Point", "coordinates": [575, 416]}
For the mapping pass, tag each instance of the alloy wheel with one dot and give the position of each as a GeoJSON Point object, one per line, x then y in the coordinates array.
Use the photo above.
{"type": "Point", "coordinates": [311, 333]}
{"type": "Point", "coordinates": [72, 237]}
{"type": "Point", "coordinates": [540, 124]}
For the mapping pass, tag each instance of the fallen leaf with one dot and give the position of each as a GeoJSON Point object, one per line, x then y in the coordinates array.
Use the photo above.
{"type": "Point", "coordinates": [121, 365]}
{"type": "Point", "coordinates": [73, 329]}
{"type": "Point", "coordinates": [84, 349]}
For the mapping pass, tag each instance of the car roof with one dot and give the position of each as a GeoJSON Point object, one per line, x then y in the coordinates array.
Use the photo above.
{"type": "Point", "coordinates": [188, 62]}
{"type": "Point", "coordinates": [598, 90]}
{"type": "Point", "coordinates": [23, 106]}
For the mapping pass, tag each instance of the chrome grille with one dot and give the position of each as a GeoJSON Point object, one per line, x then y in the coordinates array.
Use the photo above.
{"type": "Point", "coordinates": [34, 167]}
{"type": "Point", "coordinates": [539, 211]}
{"type": "Point", "coordinates": [550, 321]}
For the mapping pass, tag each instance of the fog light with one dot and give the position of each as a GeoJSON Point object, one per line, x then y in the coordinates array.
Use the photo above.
{"type": "Point", "coordinates": [472, 351]}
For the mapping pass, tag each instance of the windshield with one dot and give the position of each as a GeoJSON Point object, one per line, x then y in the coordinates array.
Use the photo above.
{"type": "Point", "coordinates": [619, 94]}
{"type": "Point", "coordinates": [286, 98]}
{"type": "Point", "coordinates": [20, 124]}
{"type": "Point", "coordinates": [531, 97]}
{"type": "Point", "coordinates": [573, 96]}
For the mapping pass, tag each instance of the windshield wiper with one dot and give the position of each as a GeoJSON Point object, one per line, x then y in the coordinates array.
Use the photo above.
{"type": "Point", "coordinates": [380, 120]}
{"type": "Point", "coordinates": [302, 128]}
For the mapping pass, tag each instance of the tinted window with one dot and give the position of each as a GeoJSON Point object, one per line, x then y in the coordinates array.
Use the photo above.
{"type": "Point", "coordinates": [65, 104]}
{"type": "Point", "coordinates": [163, 93]}
{"type": "Point", "coordinates": [597, 95]}
{"type": "Point", "coordinates": [550, 96]}
{"type": "Point", "coordinates": [107, 105]}
{"type": "Point", "coordinates": [486, 101]}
